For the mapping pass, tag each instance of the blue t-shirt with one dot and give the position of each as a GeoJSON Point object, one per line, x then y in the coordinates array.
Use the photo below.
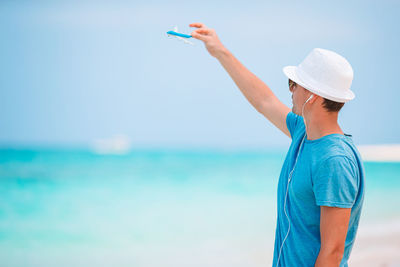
{"type": "Point", "coordinates": [329, 172]}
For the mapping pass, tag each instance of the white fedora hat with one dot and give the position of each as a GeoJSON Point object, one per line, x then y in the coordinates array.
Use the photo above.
{"type": "Point", "coordinates": [324, 73]}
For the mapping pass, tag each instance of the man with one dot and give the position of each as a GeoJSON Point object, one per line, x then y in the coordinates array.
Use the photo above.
{"type": "Point", "coordinates": [321, 185]}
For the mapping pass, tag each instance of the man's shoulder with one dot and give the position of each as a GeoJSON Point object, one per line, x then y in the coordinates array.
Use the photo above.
{"type": "Point", "coordinates": [335, 149]}
{"type": "Point", "coordinates": [295, 125]}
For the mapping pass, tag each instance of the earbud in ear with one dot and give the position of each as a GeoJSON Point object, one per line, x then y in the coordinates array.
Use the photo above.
{"type": "Point", "coordinates": [309, 98]}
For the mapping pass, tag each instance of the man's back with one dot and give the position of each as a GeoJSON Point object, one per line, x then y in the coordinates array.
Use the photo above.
{"type": "Point", "coordinates": [329, 172]}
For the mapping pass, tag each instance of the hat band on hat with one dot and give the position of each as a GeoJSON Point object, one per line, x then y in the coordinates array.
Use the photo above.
{"type": "Point", "coordinates": [322, 89]}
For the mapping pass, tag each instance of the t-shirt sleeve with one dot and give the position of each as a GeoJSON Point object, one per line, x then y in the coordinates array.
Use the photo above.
{"type": "Point", "coordinates": [335, 183]}
{"type": "Point", "coordinates": [292, 121]}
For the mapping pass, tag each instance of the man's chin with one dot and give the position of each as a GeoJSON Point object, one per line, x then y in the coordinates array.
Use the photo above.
{"type": "Point", "coordinates": [295, 112]}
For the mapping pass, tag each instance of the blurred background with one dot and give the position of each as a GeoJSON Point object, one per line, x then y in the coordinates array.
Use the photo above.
{"type": "Point", "coordinates": [121, 146]}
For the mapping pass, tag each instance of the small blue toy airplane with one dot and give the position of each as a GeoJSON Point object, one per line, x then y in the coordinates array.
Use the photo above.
{"type": "Point", "coordinates": [179, 36]}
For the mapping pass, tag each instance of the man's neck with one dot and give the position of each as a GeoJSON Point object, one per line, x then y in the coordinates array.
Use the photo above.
{"type": "Point", "coordinates": [320, 124]}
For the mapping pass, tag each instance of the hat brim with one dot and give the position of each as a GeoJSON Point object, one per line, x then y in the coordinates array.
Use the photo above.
{"type": "Point", "coordinates": [291, 73]}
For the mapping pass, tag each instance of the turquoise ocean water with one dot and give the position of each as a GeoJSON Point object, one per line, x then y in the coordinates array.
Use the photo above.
{"type": "Point", "coordinates": [152, 207]}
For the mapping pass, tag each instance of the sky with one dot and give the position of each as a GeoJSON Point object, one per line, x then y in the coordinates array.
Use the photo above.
{"type": "Point", "coordinates": [75, 71]}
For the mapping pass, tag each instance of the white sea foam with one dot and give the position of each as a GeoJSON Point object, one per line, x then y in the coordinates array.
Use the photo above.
{"type": "Point", "coordinates": [387, 152]}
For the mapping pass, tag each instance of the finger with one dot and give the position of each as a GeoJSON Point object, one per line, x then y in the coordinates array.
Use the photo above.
{"type": "Point", "coordinates": [197, 25]}
{"type": "Point", "coordinates": [203, 31]}
{"type": "Point", "coordinates": [199, 36]}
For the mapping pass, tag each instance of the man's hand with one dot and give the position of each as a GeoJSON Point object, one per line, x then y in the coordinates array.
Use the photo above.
{"type": "Point", "coordinates": [334, 223]}
{"type": "Point", "coordinates": [210, 39]}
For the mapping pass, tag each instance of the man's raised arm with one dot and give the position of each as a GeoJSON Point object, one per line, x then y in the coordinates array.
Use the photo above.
{"type": "Point", "coordinates": [255, 90]}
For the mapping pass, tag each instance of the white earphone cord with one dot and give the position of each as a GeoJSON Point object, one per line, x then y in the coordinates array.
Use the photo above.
{"type": "Point", "coordinates": [289, 178]}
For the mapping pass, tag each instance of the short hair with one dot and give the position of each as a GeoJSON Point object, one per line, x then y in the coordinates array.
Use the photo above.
{"type": "Point", "coordinates": [329, 105]}
{"type": "Point", "coordinates": [332, 106]}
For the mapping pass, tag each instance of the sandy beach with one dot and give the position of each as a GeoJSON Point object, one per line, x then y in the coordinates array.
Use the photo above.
{"type": "Point", "coordinates": [377, 244]}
